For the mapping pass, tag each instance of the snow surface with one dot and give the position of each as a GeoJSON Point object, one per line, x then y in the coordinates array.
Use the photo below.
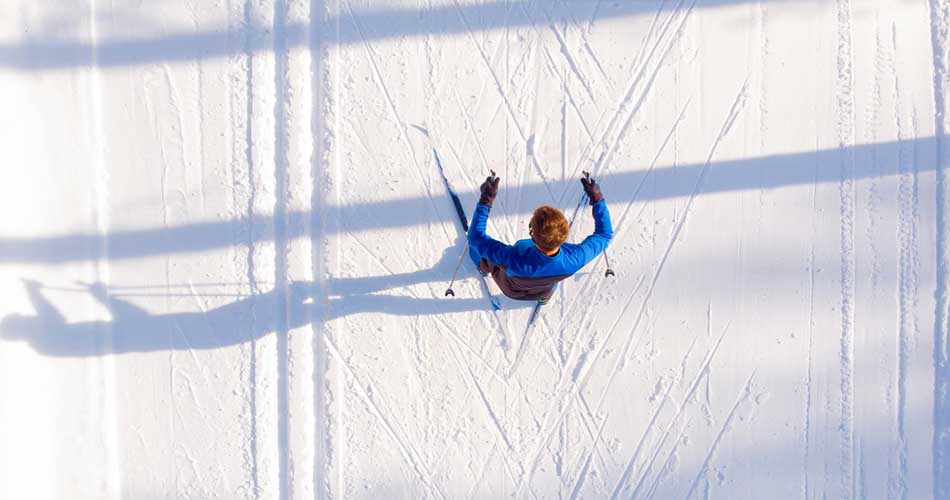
{"type": "Point", "coordinates": [225, 246]}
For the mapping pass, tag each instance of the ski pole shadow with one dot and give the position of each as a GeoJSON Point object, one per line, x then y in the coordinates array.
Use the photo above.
{"type": "Point", "coordinates": [135, 329]}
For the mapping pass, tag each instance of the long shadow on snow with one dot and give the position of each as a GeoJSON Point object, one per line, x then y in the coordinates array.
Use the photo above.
{"type": "Point", "coordinates": [349, 27]}
{"type": "Point", "coordinates": [134, 329]}
{"type": "Point", "coordinates": [881, 160]}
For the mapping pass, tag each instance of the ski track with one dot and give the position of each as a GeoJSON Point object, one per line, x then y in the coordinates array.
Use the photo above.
{"type": "Point", "coordinates": [400, 124]}
{"type": "Point", "coordinates": [674, 237]}
{"type": "Point", "coordinates": [619, 226]}
{"type": "Point", "coordinates": [743, 396]}
{"type": "Point", "coordinates": [504, 97]}
{"type": "Point", "coordinates": [409, 454]}
{"type": "Point", "coordinates": [726, 127]}
{"type": "Point", "coordinates": [447, 327]}
{"type": "Point", "coordinates": [666, 463]}
{"type": "Point", "coordinates": [618, 110]}
{"type": "Point", "coordinates": [703, 371]}
{"type": "Point", "coordinates": [844, 104]}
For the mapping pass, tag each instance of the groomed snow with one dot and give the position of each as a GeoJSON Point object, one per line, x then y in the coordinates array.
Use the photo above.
{"type": "Point", "coordinates": [225, 244]}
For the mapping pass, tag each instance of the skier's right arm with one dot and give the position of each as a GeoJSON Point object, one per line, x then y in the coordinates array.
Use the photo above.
{"type": "Point", "coordinates": [489, 248]}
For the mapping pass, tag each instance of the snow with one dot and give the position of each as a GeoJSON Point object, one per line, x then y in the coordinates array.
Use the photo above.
{"type": "Point", "coordinates": [227, 242]}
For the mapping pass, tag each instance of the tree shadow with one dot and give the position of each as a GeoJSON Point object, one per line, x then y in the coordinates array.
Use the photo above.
{"type": "Point", "coordinates": [134, 329]}
{"type": "Point", "coordinates": [350, 26]}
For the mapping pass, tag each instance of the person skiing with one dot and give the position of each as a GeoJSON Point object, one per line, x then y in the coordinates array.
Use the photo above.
{"type": "Point", "coordinates": [531, 268]}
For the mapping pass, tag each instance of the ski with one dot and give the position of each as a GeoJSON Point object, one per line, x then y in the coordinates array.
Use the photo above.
{"type": "Point", "coordinates": [460, 212]}
{"type": "Point", "coordinates": [524, 338]}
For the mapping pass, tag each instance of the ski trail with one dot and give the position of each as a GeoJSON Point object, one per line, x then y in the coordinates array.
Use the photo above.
{"type": "Point", "coordinates": [908, 275]}
{"type": "Point", "coordinates": [552, 67]}
{"type": "Point", "coordinates": [703, 371]}
{"type": "Point", "coordinates": [743, 395]}
{"type": "Point", "coordinates": [568, 57]}
{"type": "Point", "coordinates": [629, 96]}
{"type": "Point", "coordinates": [737, 106]}
{"type": "Point", "coordinates": [636, 451]}
{"type": "Point", "coordinates": [485, 165]}
{"type": "Point", "coordinates": [729, 121]}
{"type": "Point", "coordinates": [604, 161]}
{"type": "Point", "coordinates": [806, 425]}
{"type": "Point", "coordinates": [666, 464]}
{"type": "Point", "coordinates": [504, 97]}
{"type": "Point", "coordinates": [104, 370]}
{"type": "Point", "coordinates": [579, 482]}
{"type": "Point", "coordinates": [448, 328]}
{"type": "Point", "coordinates": [940, 42]}
{"type": "Point", "coordinates": [405, 448]}
{"type": "Point", "coordinates": [620, 221]}
{"type": "Point", "coordinates": [400, 125]}
{"type": "Point", "coordinates": [496, 422]}
{"type": "Point", "coordinates": [844, 108]}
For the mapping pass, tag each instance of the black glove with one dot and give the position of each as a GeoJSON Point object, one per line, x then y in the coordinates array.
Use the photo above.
{"type": "Point", "coordinates": [592, 189]}
{"type": "Point", "coordinates": [489, 190]}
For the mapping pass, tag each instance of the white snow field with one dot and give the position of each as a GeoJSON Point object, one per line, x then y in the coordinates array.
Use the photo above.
{"type": "Point", "coordinates": [225, 243]}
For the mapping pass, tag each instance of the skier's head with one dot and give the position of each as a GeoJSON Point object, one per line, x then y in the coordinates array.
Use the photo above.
{"type": "Point", "coordinates": [548, 228]}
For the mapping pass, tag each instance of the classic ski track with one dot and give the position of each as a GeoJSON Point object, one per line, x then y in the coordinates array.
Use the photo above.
{"type": "Point", "coordinates": [504, 97]}
{"type": "Point", "coordinates": [844, 109]}
{"type": "Point", "coordinates": [743, 395]}
{"type": "Point", "coordinates": [405, 449]}
{"type": "Point", "coordinates": [909, 268]}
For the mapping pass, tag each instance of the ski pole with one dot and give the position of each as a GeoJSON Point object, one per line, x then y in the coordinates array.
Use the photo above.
{"type": "Point", "coordinates": [610, 272]}
{"type": "Point", "coordinates": [456, 273]}
{"type": "Point", "coordinates": [458, 266]}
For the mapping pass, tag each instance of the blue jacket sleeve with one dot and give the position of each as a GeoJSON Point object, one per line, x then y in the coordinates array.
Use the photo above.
{"type": "Point", "coordinates": [493, 250]}
{"type": "Point", "coordinates": [596, 243]}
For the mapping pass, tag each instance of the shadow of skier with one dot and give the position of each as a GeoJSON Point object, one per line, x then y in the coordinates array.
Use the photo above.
{"type": "Point", "coordinates": [134, 329]}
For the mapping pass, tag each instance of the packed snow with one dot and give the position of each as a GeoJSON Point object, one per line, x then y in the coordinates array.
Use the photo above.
{"type": "Point", "coordinates": [226, 242]}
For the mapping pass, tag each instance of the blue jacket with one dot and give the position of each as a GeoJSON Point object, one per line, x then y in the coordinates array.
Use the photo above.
{"type": "Point", "coordinates": [529, 273]}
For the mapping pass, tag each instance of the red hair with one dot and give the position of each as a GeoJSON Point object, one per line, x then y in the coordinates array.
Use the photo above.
{"type": "Point", "coordinates": [548, 228]}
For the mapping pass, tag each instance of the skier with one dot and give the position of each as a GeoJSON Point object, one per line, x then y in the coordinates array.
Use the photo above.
{"type": "Point", "coordinates": [531, 268]}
